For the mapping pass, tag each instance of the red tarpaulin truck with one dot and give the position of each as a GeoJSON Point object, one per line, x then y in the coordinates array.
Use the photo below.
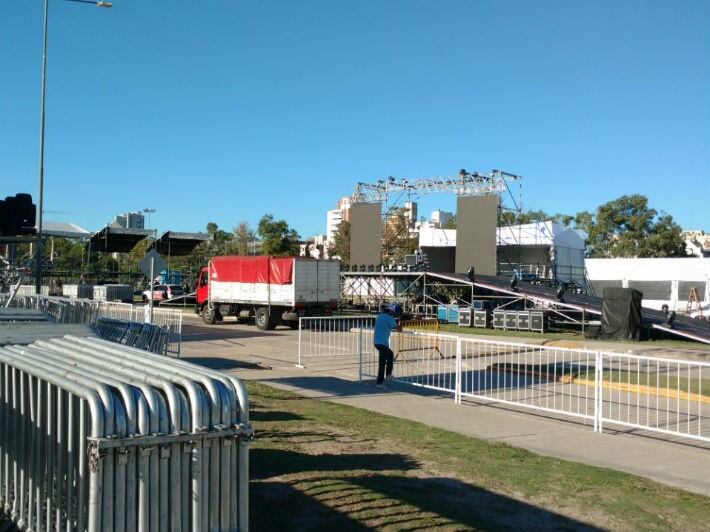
{"type": "Point", "coordinates": [273, 290]}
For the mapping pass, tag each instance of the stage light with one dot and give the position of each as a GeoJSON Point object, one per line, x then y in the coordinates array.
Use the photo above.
{"type": "Point", "coordinates": [513, 283]}
{"type": "Point", "coordinates": [664, 309]}
{"type": "Point", "coordinates": [472, 274]}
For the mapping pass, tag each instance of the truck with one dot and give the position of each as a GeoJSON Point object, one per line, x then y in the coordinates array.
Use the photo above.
{"type": "Point", "coordinates": [272, 290]}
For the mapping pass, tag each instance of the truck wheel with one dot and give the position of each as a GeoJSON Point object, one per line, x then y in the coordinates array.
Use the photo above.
{"type": "Point", "coordinates": [209, 314]}
{"type": "Point", "coordinates": [263, 319]}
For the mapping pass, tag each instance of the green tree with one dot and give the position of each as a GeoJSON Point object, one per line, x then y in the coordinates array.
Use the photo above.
{"type": "Point", "coordinates": [243, 235]}
{"type": "Point", "coordinates": [276, 237]}
{"type": "Point", "coordinates": [340, 247]}
{"type": "Point", "coordinates": [68, 254]}
{"type": "Point", "coordinates": [628, 227]}
{"type": "Point", "coordinates": [396, 237]}
{"type": "Point", "coordinates": [450, 223]}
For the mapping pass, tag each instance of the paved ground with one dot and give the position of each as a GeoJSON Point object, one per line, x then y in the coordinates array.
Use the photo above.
{"type": "Point", "coordinates": [270, 357]}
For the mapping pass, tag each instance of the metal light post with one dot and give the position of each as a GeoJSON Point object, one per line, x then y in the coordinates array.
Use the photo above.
{"type": "Point", "coordinates": [148, 212]}
{"type": "Point", "coordinates": [40, 192]}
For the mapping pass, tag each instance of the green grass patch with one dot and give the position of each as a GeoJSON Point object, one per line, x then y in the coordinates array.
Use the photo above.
{"type": "Point", "coordinates": [317, 465]}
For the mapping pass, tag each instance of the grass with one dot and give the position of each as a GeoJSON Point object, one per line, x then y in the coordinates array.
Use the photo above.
{"type": "Point", "coordinates": [567, 335]}
{"type": "Point", "coordinates": [317, 465]}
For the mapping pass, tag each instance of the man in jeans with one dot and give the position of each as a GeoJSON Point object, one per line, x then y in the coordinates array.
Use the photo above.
{"type": "Point", "coordinates": [384, 325]}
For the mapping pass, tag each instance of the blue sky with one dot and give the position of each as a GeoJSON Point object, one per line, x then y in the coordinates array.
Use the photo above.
{"type": "Point", "coordinates": [224, 110]}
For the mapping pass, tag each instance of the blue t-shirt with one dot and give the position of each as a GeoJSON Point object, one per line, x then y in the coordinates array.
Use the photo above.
{"type": "Point", "coordinates": [383, 326]}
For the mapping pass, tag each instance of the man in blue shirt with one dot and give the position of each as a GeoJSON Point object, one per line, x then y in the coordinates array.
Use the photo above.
{"type": "Point", "coordinates": [385, 323]}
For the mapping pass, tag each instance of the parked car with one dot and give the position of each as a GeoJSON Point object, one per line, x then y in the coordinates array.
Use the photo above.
{"type": "Point", "coordinates": [162, 292]}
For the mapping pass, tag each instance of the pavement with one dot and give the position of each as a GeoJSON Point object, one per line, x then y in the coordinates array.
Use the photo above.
{"type": "Point", "coordinates": [270, 357]}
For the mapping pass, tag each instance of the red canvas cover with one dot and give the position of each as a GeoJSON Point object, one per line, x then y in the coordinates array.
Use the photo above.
{"type": "Point", "coordinates": [282, 270]}
{"type": "Point", "coordinates": [257, 269]}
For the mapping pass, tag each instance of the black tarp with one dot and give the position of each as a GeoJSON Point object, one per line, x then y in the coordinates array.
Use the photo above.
{"type": "Point", "coordinates": [621, 314]}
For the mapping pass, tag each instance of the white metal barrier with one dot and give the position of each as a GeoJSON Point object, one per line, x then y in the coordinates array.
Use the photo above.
{"type": "Point", "coordinates": [661, 395]}
{"type": "Point", "coordinates": [537, 377]}
{"type": "Point", "coordinates": [100, 437]}
{"type": "Point", "coordinates": [328, 336]}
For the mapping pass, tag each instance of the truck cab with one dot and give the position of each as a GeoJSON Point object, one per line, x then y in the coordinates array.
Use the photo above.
{"type": "Point", "coordinates": [202, 290]}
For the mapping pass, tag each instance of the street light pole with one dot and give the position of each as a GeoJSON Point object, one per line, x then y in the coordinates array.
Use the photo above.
{"type": "Point", "coordinates": [148, 212]}
{"type": "Point", "coordinates": [38, 251]}
{"type": "Point", "coordinates": [40, 191]}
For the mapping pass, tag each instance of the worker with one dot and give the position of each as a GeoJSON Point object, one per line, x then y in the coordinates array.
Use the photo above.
{"type": "Point", "coordinates": [385, 323]}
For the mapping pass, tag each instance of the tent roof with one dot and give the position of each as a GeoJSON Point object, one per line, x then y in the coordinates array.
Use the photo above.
{"type": "Point", "coordinates": [110, 239]}
{"type": "Point", "coordinates": [174, 244]}
{"type": "Point", "coordinates": [65, 230]}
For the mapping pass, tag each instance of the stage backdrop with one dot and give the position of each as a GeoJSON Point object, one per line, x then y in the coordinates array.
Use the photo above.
{"type": "Point", "coordinates": [366, 234]}
{"type": "Point", "coordinates": [476, 220]}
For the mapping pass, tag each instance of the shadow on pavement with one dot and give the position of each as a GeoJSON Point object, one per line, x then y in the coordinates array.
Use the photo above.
{"type": "Point", "coordinates": [345, 388]}
{"type": "Point", "coordinates": [220, 363]}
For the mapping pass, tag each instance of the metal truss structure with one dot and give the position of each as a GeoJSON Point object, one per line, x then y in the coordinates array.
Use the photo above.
{"type": "Point", "coordinates": [464, 184]}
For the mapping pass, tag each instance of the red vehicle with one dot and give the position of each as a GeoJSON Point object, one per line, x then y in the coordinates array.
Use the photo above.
{"type": "Point", "coordinates": [272, 290]}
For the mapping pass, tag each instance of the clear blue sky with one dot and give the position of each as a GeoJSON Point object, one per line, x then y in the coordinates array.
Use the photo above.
{"type": "Point", "coordinates": [224, 110]}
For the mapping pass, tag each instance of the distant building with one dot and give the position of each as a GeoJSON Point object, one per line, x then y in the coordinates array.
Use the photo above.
{"type": "Point", "coordinates": [129, 220]}
{"type": "Point", "coordinates": [317, 248]}
{"type": "Point", "coordinates": [441, 218]}
{"type": "Point", "coordinates": [438, 220]}
{"type": "Point", "coordinates": [255, 247]}
{"type": "Point", "coordinates": [335, 216]}
{"type": "Point", "coordinates": [697, 243]}
{"type": "Point", "coordinates": [410, 212]}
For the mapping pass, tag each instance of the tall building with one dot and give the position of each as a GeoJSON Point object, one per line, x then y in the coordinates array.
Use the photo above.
{"type": "Point", "coordinates": [410, 212]}
{"type": "Point", "coordinates": [337, 215]}
{"type": "Point", "coordinates": [441, 217]}
{"type": "Point", "coordinates": [129, 220]}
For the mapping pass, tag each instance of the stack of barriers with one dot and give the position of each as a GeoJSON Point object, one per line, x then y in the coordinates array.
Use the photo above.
{"type": "Point", "coordinates": [97, 436]}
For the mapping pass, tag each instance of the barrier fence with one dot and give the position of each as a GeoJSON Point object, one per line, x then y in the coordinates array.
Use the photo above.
{"type": "Point", "coordinates": [66, 310]}
{"type": "Point", "coordinates": [624, 390]}
{"type": "Point", "coordinates": [332, 336]}
{"type": "Point", "coordinates": [100, 437]}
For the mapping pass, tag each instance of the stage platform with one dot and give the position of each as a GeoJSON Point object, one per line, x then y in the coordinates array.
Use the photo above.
{"type": "Point", "coordinates": [683, 327]}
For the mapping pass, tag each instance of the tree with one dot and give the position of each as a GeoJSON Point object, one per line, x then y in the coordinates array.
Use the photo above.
{"type": "Point", "coordinates": [396, 237]}
{"type": "Point", "coordinates": [243, 235]}
{"type": "Point", "coordinates": [276, 237]}
{"type": "Point", "coordinates": [628, 227]}
{"type": "Point", "coordinates": [450, 223]}
{"type": "Point", "coordinates": [340, 247]}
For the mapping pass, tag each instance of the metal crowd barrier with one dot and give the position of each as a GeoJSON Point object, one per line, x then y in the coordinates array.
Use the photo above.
{"type": "Point", "coordinates": [66, 310]}
{"type": "Point", "coordinates": [326, 336]}
{"type": "Point", "coordinates": [100, 437]}
{"type": "Point", "coordinates": [661, 395]}
{"type": "Point", "coordinates": [153, 338]}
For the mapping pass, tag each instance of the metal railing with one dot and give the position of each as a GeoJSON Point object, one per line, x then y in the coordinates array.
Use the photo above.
{"type": "Point", "coordinates": [146, 336]}
{"type": "Point", "coordinates": [66, 310]}
{"type": "Point", "coordinates": [100, 437]}
{"type": "Point", "coordinates": [531, 376]}
{"type": "Point", "coordinates": [329, 336]}
{"type": "Point", "coordinates": [660, 395]}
